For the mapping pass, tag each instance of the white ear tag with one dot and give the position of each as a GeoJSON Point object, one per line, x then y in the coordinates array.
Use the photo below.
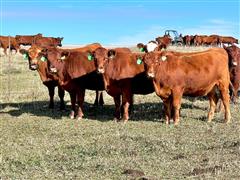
{"type": "Point", "coordinates": [63, 57]}
{"type": "Point", "coordinates": [164, 58]}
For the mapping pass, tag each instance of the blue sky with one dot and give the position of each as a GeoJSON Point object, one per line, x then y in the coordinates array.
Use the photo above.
{"type": "Point", "coordinates": [118, 22]}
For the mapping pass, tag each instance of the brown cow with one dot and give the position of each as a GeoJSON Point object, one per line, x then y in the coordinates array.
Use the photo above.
{"type": "Point", "coordinates": [227, 40]}
{"type": "Point", "coordinates": [187, 40]}
{"type": "Point", "coordinates": [164, 41]}
{"type": "Point", "coordinates": [27, 40]}
{"type": "Point", "coordinates": [234, 69]}
{"type": "Point", "coordinates": [196, 74]}
{"type": "Point", "coordinates": [124, 75]}
{"type": "Point", "coordinates": [76, 72]}
{"type": "Point", "coordinates": [4, 43]}
{"type": "Point", "coordinates": [48, 41]}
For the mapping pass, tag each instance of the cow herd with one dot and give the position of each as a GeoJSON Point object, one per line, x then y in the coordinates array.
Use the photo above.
{"type": "Point", "coordinates": [123, 73]}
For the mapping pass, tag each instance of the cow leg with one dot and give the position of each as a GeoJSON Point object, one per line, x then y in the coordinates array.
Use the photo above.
{"type": "Point", "coordinates": [213, 99]}
{"type": "Point", "coordinates": [73, 104]}
{"type": "Point", "coordinates": [235, 91]}
{"type": "Point", "coordinates": [225, 98]}
{"type": "Point", "coordinates": [176, 107]}
{"type": "Point", "coordinates": [51, 95]}
{"type": "Point", "coordinates": [61, 94]}
{"type": "Point", "coordinates": [127, 100]}
{"type": "Point", "coordinates": [80, 97]}
{"type": "Point", "coordinates": [101, 101]}
{"type": "Point", "coordinates": [96, 98]}
{"type": "Point", "coordinates": [167, 108]}
{"type": "Point", "coordinates": [117, 101]}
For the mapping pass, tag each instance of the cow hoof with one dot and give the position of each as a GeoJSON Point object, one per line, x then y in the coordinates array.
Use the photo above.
{"type": "Point", "coordinates": [79, 118]}
{"type": "Point", "coordinates": [227, 121]}
{"type": "Point", "coordinates": [71, 115]}
{"type": "Point", "coordinates": [115, 119]}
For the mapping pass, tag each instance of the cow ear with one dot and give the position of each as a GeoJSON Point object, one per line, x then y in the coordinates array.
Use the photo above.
{"type": "Point", "coordinates": [111, 53]}
{"type": "Point", "coordinates": [90, 55]}
{"type": "Point", "coordinates": [141, 47]}
{"type": "Point", "coordinates": [64, 55]}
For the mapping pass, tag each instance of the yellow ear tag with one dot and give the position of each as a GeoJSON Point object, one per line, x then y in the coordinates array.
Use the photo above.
{"type": "Point", "coordinates": [164, 58]}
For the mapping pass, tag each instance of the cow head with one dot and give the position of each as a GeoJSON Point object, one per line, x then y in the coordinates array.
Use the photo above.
{"type": "Point", "coordinates": [100, 57]}
{"type": "Point", "coordinates": [151, 60]}
{"type": "Point", "coordinates": [233, 55]}
{"type": "Point", "coordinates": [32, 55]}
{"type": "Point", "coordinates": [59, 41]}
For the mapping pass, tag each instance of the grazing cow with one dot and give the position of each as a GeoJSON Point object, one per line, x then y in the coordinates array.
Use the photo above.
{"type": "Point", "coordinates": [227, 40]}
{"type": "Point", "coordinates": [76, 72]}
{"type": "Point", "coordinates": [27, 40]}
{"type": "Point", "coordinates": [123, 74]}
{"type": "Point", "coordinates": [187, 40]}
{"type": "Point", "coordinates": [210, 40]}
{"type": "Point", "coordinates": [48, 41]}
{"type": "Point", "coordinates": [196, 74]}
{"type": "Point", "coordinates": [4, 43]}
{"type": "Point", "coordinates": [234, 69]}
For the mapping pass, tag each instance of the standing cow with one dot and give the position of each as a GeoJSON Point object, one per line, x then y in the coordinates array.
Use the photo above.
{"type": "Point", "coordinates": [196, 74]}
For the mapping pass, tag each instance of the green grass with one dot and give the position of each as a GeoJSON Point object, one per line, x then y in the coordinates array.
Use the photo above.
{"type": "Point", "coordinates": [38, 143]}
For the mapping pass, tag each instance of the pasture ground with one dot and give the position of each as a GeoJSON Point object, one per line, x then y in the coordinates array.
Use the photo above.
{"type": "Point", "coordinates": [38, 143]}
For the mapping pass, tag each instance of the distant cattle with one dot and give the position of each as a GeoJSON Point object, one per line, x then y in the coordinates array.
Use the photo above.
{"type": "Point", "coordinates": [48, 41]}
{"type": "Point", "coordinates": [187, 40]}
{"type": "Point", "coordinates": [76, 72]}
{"type": "Point", "coordinates": [6, 41]}
{"type": "Point", "coordinates": [234, 68]}
{"type": "Point", "coordinates": [164, 41]}
{"type": "Point", "coordinates": [196, 74]}
{"type": "Point", "coordinates": [27, 40]}
{"type": "Point", "coordinates": [227, 40]}
{"type": "Point", "coordinates": [123, 73]}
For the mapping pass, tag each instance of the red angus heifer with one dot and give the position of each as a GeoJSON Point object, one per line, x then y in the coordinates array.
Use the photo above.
{"type": "Point", "coordinates": [4, 43]}
{"type": "Point", "coordinates": [234, 69]}
{"type": "Point", "coordinates": [27, 39]}
{"type": "Point", "coordinates": [76, 72]}
{"type": "Point", "coordinates": [48, 79]}
{"type": "Point", "coordinates": [196, 74]}
{"type": "Point", "coordinates": [124, 75]}
{"type": "Point", "coordinates": [48, 41]}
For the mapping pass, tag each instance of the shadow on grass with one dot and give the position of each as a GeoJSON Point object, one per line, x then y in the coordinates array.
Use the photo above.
{"type": "Point", "coordinates": [144, 111]}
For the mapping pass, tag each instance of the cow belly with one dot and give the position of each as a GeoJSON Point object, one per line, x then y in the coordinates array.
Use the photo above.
{"type": "Point", "coordinates": [141, 84]}
{"type": "Point", "coordinates": [92, 81]}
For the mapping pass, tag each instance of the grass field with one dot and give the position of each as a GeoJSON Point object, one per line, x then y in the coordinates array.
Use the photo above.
{"type": "Point", "coordinates": [38, 143]}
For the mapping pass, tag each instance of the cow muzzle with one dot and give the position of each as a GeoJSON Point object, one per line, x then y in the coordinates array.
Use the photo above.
{"type": "Point", "coordinates": [100, 70]}
{"type": "Point", "coordinates": [33, 67]}
{"type": "Point", "coordinates": [151, 75]}
{"type": "Point", "coordinates": [53, 70]}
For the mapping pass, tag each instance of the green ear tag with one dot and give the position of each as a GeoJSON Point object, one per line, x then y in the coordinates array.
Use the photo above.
{"type": "Point", "coordinates": [25, 56]}
{"type": "Point", "coordinates": [139, 61]}
{"type": "Point", "coordinates": [43, 59]}
{"type": "Point", "coordinates": [141, 49]}
{"type": "Point", "coordinates": [90, 57]}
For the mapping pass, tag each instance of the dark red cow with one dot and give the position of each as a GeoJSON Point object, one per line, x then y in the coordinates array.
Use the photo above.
{"type": "Point", "coordinates": [27, 40]}
{"type": "Point", "coordinates": [76, 72]}
{"type": "Point", "coordinates": [196, 74]}
{"type": "Point", "coordinates": [48, 41]}
{"type": "Point", "coordinates": [123, 74]}
{"type": "Point", "coordinates": [234, 68]}
{"type": "Point", "coordinates": [227, 40]}
{"type": "Point", "coordinates": [5, 41]}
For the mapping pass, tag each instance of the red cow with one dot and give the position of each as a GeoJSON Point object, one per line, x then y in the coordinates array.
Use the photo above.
{"type": "Point", "coordinates": [27, 39]}
{"type": "Point", "coordinates": [76, 72]}
{"type": "Point", "coordinates": [4, 43]}
{"type": "Point", "coordinates": [123, 74]}
{"type": "Point", "coordinates": [48, 41]}
{"type": "Point", "coordinates": [196, 74]}
{"type": "Point", "coordinates": [234, 68]}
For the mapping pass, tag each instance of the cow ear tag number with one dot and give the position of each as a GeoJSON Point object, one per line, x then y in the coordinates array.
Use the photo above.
{"type": "Point", "coordinates": [25, 56]}
{"type": "Point", "coordinates": [43, 59]}
{"type": "Point", "coordinates": [139, 61]}
{"type": "Point", "coordinates": [141, 49]}
{"type": "Point", "coordinates": [90, 57]}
